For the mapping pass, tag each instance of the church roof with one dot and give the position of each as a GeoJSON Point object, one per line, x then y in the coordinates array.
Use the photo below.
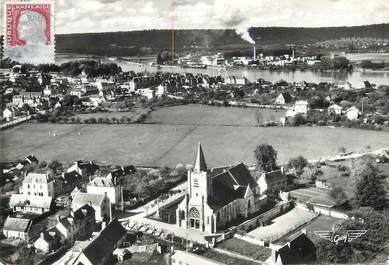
{"type": "Point", "coordinates": [199, 163]}
{"type": "Point", "coordinates": [230, 185]}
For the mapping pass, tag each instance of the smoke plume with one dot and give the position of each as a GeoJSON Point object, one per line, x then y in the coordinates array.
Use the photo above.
{"type": "Point", "coordinates": [245, 35]}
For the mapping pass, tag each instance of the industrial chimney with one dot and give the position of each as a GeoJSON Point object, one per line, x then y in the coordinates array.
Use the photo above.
{"type": "Point", "coordinates": [254, 53]}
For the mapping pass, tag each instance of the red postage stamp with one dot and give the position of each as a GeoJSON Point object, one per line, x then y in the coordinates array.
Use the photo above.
{"type": "Point", "coordinates": [29, 36]}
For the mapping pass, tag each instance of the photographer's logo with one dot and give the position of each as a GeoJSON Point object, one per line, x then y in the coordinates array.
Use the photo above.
{"type": "Point", "coordinates": [335, 237]}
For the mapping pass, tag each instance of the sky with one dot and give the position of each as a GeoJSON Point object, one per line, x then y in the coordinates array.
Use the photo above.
{"type": "Point", "coordinates": [78, 16]}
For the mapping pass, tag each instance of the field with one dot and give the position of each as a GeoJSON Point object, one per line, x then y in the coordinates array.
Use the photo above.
{"type": "Point", "coordinates": [166, 142]}
{"type": "Point", "coordinates": [314, 196]}
{"type": "Point", "coordinates": [218, 116]}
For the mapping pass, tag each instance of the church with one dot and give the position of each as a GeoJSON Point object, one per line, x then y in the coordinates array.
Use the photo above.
{"type": "Point", "coordinates": [217, 197]}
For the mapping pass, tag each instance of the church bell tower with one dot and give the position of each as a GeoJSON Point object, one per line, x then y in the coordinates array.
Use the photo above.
{"type": "Point", "coordinates": [199, 179]}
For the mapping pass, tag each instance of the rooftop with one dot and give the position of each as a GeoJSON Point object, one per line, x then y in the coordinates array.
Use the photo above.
{"type": "Point", "coordinates": [17, 224]}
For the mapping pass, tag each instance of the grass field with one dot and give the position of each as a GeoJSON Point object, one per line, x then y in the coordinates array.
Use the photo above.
{"type": "Point", "coordinates": [212, 115]}
{"type": "Point", "coordinates": [168, 144]}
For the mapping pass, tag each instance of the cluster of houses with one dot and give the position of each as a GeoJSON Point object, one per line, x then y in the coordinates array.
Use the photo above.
{"type": "Point", "coordinates": [302, 107]}
{"type": "Point", "coordinates": [41, 91]}
{"type": "Point", "coordinates": [87, 220]}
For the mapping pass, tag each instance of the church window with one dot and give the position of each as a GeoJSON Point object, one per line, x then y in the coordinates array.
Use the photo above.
{"type": "Point", "coordinates": [194, 213]}
{"type": "Point", "coordinates": [196, 183]}
{"type": "Point", "coordinates": [207, 220]}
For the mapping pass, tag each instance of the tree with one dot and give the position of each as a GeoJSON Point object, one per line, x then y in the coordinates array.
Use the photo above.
{"type": "Point", "coordinates": [366, 181]}
{"type": "Point", "coordinates": [54, 166]}
{"type": "Point", "coordinates": [298, 164]}
{"type": "Point", "coordinates": [266, 157]}
{"type": "Point", "coordinates": [330, 252]}
{"type": "Point", "coordinates": [299, 119]}
{"type": "Point", "coordinates": [370, 191]}
{"type": "Point", "coordinates": [374, 241]}
{"type": "Point", "coordinates": [339, 195]}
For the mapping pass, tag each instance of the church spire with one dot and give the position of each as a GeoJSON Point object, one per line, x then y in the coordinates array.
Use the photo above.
{"type": "Point", "coordinates": [200, 164]}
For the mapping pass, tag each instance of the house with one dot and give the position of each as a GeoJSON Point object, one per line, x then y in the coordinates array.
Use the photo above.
{"type": "Point", "coordinates": [147, 92]}
{"type": "Point", "coordinates": [213, 201]}
{"type": "Point", "coordinates": [38, 184]}
{"type": "Point", "coordinates": [100, 203]}
{"type": "Point", "coordinates": [284, 98]}
{"type": "Point", "coordinates": [28, 160]}
{"type": "Point", "coordinates": [67, 182]}
{"type": "Point", "coordinates": [84, 168]}
{"type": "Point", "coordinates": [300, 250]}
{"type": "Point", "coordinates": [76, 91]}
{"type": "Point", "coordinates": [323, 184]}
{"type": "Point", "coordinates": [17, 228]}
{"type": "Point", "coordinates": [352, 113]}
{"type": "Point", "coordinates": [345, 86]}
{"type": "Point", "coordinates": [48, 241]}
{"type": "Point", "coordinates": [105, 185]}
{"type": "Point", "coordinates": [275, 178]}
{"type": "Point", "coordinates": [232, 80]}
{"type": "Point", "coordinates": [9, 113]}
{"type": "Point", "coordinates": [184, 257]}
{"type": "Point", "coordinates": [31, 204]}
{"type": "Point", "coordinates": [334, 109]}
{"type": "Point", "coordinates": [301, 106]}
{"type": "Point", "coordinates": [97, 251]}
{"type": "Point", "coordinates": [78, 225]}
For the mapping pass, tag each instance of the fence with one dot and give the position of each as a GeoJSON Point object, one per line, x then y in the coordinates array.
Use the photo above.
{"type": "Point", "coordinates": [14, 122]}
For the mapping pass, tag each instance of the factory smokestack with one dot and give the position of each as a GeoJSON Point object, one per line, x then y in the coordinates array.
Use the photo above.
{"type": "Point", "coordinates": [245, 35]}
{"type": "Point", "coordinates": [254, 53]}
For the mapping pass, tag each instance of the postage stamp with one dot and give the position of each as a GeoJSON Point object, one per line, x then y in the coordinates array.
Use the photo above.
{"type": "Point", "coordinates": [29, 31]}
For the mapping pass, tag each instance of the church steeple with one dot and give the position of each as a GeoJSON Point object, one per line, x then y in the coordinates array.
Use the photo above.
{"type": "Point", "coordinates": [200, 164]}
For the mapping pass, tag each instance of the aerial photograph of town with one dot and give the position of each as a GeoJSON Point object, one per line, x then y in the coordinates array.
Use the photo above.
{"type": "Point", "coordinates": [194, 132]}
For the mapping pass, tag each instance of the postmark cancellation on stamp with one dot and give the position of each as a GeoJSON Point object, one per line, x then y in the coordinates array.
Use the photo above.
{"type": "Point", "coordinates": [29, 31]}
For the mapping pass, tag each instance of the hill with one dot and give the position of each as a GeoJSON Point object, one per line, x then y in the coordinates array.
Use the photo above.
{"type": "Point", "coordinates": [134, 42]}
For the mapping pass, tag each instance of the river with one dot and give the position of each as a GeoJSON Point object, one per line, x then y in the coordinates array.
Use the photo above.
{"type": "Point", "coordinates": [356, 78]}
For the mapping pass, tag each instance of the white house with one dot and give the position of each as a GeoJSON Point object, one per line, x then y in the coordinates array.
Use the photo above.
{"type": "Point", "coordinates": [38, 184]}
{"type": "Point", "coordinates": [335, 109]}
{"type": "Point", "coordinates": [100, 203]}
{"type": "Point", "coordinates": [301, 106]}
{"type": "Point", "coordinates": [283, 98]}
{"type": "Point", "coordinates": [84, 168]}
{"type": "Point", "coordinates": [146, 92]}
{"type": "Point", "coordinates": [30, 204]}
{"type": "Point", "coordinates": [78, 224]}
{"type": "Point", "coordinates": [232, 80]}
{"type": "Point", "coordinates": [352, 113]}
{"type": "Point", "coordinates": [48, 241]}
{"type": "Point", "coordinates": [9, 113]}
{"type": "Point", "coordinates": [272, 179]}
{"type": "Point", "coordinates": [17, 228]}
{"type": "Point", "coordinates": [105, 186]}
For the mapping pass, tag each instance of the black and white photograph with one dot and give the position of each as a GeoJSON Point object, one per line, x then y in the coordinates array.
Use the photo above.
{"type": "Point", "coordinates": [194, 132]}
